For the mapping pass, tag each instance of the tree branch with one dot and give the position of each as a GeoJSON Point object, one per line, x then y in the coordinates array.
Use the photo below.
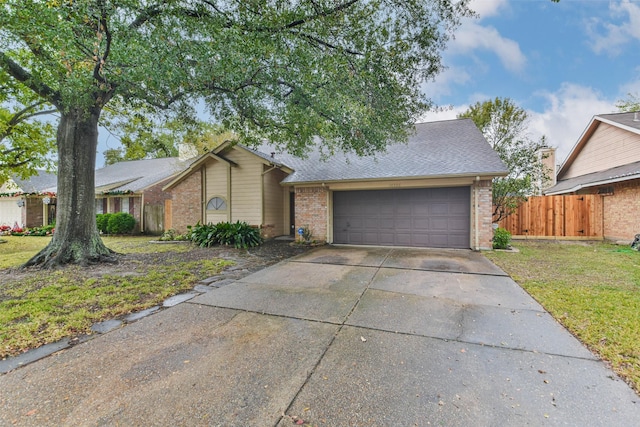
{"type": "Point", "coordinates": [324, 43]}
{"type": "Point", "coordinates": [23, 76]}
{"type": "Point", "coordinates": [146, 15]}
{"type": "Point", "coordinates": [322, 14]}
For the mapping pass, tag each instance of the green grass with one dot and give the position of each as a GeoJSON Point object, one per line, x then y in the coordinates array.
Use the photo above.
{"type": "Point", "coordinates": [593, 289]}
{"type": "Point", "coordinates": [43, 306]}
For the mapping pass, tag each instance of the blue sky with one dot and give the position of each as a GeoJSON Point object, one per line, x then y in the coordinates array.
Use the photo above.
{"type": "Point", "coordinates": [562, 62]}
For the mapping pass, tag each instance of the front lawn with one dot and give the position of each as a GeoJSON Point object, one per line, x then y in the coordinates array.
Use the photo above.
{"type": "Point", "coordinates": [42, 306]}
{"type": "Point", "coordinates": [593, 289]}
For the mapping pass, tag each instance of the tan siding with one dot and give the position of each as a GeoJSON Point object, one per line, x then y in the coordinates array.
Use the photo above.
{"type": "Point", "coordinates": [246, 187]}
{"type": "Point", "coordinates": [273, 203]}
{"type": "Point", "coordinates": [608, 147]}
{"type": "Point", "coordinates": [216, 183]}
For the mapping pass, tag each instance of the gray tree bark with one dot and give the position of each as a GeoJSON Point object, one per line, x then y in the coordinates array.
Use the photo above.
{"type": "Point", "coordinates": [76, 238]}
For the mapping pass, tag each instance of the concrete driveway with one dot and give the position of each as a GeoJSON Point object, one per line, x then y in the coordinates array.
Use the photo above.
{"type": "Point", "coordinates": [339, 336]}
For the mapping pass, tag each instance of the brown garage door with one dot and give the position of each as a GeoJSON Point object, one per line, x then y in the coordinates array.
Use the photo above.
{"type": "Point", "coordinates": [429, 217]}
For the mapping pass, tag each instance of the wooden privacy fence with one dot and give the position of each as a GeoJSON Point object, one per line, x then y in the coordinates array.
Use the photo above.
{"type": "Point", "coordinates": [557, 216]}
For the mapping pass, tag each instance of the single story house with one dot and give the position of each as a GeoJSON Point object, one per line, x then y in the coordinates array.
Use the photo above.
{"type": "Point", "coordinates": [135, 187]}
{"type": "Point", "coordinates": [28, 202]}
{"type": "Point", "coordinates": [132, 186]}
{"type": "Point", "coordinates": [433, 191]}
{"type": "Point", "coordinates": [606, 161]}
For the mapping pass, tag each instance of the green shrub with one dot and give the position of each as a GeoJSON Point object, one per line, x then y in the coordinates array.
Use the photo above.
{"type": "Point", "coordinates": [102, 220]}
{"type": "Point", "coordinates": [171, 235]}
{"type": "Point", "coordinates": [121, 223]}
{"type": "Point", "coordinates": [501, 238]}
{"type": "Point", "coordinates": [238, 234]}
{"type": "Point", "coordinates": [203, 235]}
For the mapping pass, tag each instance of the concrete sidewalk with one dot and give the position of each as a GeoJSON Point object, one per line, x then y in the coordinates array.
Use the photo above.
{"type": "Point", "coordinates": [339, 336]}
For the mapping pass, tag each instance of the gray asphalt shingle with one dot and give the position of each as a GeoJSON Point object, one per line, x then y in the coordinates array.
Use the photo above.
{"type": "Point", "coordinates": [618, 173]}
{"type": "Point", "coordinates": [136, 175]}
{"type": "Point", "coordinates": [436, 149]}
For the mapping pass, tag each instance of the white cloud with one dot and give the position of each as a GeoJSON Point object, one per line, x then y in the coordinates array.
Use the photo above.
{"type": "Point", "coordinates": [485, 8]}
{"type": "Point", "coordinates": [442, 86]}
{"type": "Point", "coordinates": [472, 36]}
{"type": "Point", "coordinates": [568, 112]}
{"type": "Point", "coordinates": [616, 34]}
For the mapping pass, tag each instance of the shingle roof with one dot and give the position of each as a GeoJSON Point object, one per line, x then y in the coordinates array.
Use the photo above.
{"type": "Point", "coordinates": [618, 173]}
{"type": "Point", "coordinates": [136, 175]}
{"type": "Point", "coordinates": [630, 120]}
{"type": "Point", "coordinates": [42, 182]}
{"type": "Point", "coordinates": [436, 149]}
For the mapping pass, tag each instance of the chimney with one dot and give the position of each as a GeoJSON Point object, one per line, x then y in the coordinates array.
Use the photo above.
{"type": "Point", "coordinates": [548, 157]}
{"type": "Point", "coordinates": [187, 151]}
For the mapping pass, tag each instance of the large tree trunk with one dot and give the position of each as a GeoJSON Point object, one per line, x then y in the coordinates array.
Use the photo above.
{"type": "Point", "coordinates": [76, 239]}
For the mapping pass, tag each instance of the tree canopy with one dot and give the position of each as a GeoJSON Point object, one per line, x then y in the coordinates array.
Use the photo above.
{"type": "Point", "coordinates": [629, 104]}
{"type": "Point", "coordinates": [143, 138]}
{"type": "Point", "coordinates": [505, 126]}
{"type": "Point", "coordinates": [349, 72]}
{"type": "Point", "coordinates": [26, 143]}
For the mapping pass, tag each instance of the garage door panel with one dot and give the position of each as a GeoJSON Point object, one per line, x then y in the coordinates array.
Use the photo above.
{"type": "Point", "coordinates": [433, 217]}
{"type": "Point", "coordinates": [458, 225]}
{"type": "Point", "coordinates": [439, 224]}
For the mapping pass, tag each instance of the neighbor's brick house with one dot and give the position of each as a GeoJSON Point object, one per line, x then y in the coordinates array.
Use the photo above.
{"type": "Point", "coordinates": [433, 191]}
{"type": "Point", "coordinates": [605, 161]}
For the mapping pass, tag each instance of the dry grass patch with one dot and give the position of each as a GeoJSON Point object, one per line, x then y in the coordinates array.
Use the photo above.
{"type": "Point", "coordinates": [593, 289]}
{"type": "Point", "coordinates": [42, 306]}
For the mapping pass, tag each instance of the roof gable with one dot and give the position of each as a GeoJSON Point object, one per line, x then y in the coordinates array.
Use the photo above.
{"type": "Point", "coordinates": [195, 165]}
{"type": "Point", "coordinates": [624, 122]}
{"type": "Point", "coordinates": [42, 182]}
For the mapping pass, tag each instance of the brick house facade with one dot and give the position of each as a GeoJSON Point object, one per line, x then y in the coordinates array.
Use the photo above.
{"type": "Point", "coordinates": [312, 210]}
{"type": "Point", "coordinates": [605, 161]}
{"type": "Point", "coordinates": [418, 194]}
{"type": "Point", "coordinates": [184, 207]}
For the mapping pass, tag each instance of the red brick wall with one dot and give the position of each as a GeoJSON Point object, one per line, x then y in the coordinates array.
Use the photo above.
{"type": "Point", "coordinates": [312, 211]}
{"type": "Point", "coordinates": [34, 216]}
{"type": "Point", "coordinates": [154, 194]}
{"type": "Point", "coordinates": [621, 219]}
{"type": "Point", "coordinates": [484, 211]}
{"type": "Point", "coordinates": [186, 205]}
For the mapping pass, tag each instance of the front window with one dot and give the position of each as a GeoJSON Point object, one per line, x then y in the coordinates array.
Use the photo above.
{"type": "Point", "coordinates": [217, 204]}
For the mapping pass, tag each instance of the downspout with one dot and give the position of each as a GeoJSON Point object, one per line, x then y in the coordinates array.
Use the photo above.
{"type": "Point", "coordinates": [203, 194]}
{"type": "Point", "coordinates": [477, 217]}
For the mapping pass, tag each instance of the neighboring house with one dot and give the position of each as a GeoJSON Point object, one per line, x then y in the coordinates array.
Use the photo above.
{"type": "Point", "coordinates": [28, 202]}
{"type": "Point", "coordinates": [606, 161]}
{"type": "Point", "coordinates": [434, 191]}
{"type": "Point", "coordinates": [132, 186]}
{"type": "Point", "coordinates": [135, 187]}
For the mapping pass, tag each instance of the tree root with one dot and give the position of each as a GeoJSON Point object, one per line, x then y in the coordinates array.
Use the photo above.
{"type": "Point", "coordinates": [55, 256]}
